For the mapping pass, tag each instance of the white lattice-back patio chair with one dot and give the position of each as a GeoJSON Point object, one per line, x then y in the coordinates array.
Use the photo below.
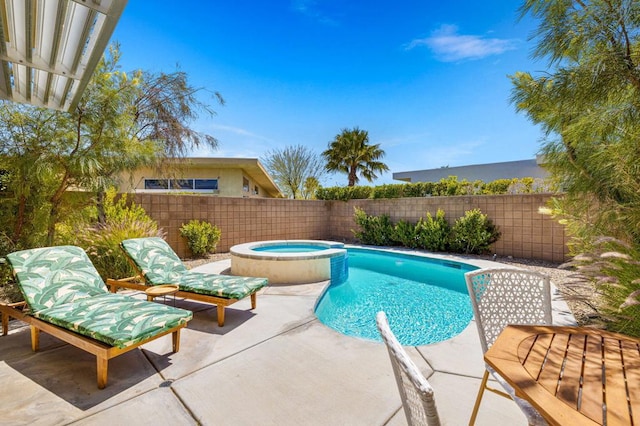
{"type": "Point", "coordinates": [415, 391]}
{"type": "Point", "coordinates": [503, 296]}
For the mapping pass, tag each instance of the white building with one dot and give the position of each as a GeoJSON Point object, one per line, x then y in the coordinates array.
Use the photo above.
{"type": "Point", "coordinates": [484, 172]}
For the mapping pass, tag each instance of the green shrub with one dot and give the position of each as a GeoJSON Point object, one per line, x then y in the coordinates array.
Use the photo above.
{"type": "Point", "coordinates": [419, 189]}
{"type": "Point", "coordinates": [388, 191]}
{"type": "Point", "coordinates": [9, 291]}
{"type": "Point", "coordinates": [120, 211]}
{"type": "Point", "coordinates": [433, 233]}
{"type": "Point", "coordinates": [375, 230]}
{"type": "Point", "coordinates": [498, 186]}
{"type": "Point", "coordinates": [202, 237]}
{"type": "Point", "coordinates": [344, 193]}
{"type": "Point", "coordinates": [449, 186]}
{"type": "Point", "coordinates": [102, 244]}
{"type": "Point", "coordinates": [102, 241]}
{"type": "Point", "coordinates": [404, 233]}
{"type": "Point", "coordinates": [473, 233]}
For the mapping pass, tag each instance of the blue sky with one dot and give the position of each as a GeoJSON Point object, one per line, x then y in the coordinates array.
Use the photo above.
{"type": "Point", "coordinates": [427, 79]}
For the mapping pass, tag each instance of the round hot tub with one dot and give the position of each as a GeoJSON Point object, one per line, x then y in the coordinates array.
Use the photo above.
{"type": "Point", "coordinates": [290, 261]}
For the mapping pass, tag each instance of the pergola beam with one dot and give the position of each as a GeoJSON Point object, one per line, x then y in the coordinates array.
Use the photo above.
{"type": "Point", "coordinates": [49, 49]}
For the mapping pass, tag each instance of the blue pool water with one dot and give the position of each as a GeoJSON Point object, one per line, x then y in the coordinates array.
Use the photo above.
{"type": "Point", "coordinates": [290, 248]}
{"type": "Point", "coordinates": [426, 300]}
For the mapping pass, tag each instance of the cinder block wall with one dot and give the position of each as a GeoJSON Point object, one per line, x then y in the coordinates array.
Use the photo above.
{"type": "Point", "coordinates": [525, 232]}
{"type": "Point", "coordinates": [241, 220]}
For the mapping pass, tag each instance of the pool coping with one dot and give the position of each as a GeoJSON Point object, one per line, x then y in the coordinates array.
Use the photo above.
{"type": "Point", "coordinates": [246, 251]}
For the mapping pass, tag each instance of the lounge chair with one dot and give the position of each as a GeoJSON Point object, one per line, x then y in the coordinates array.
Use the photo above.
{"type": "Point", "coordinates": [416, 393]}
{"type": "Point", "coordinates": [158, 264]}
{"type": "Point", "coordinates": [67, 298]}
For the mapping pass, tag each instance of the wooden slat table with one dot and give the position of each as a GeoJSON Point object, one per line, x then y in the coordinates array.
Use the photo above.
{"type": "Point", "coordinates": [571, 375]}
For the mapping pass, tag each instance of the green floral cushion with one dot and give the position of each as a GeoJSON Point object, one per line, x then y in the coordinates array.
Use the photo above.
{"type": "Point", "coordinates": [51, 276]}
{"type": "Point", "coordinates": [219, 285]}
{"type": "Point", "coordinates": [115, 319]}
{"type": "Point", "coordinates": [62, 287]}
{"type": "Point", "coordinates": [159, 264]}
{"type": "Point", "coordinates": [155, 258]}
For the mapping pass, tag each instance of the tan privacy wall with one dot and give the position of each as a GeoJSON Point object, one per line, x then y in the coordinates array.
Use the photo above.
{"type": "Point", "coordinates": [526, 233]}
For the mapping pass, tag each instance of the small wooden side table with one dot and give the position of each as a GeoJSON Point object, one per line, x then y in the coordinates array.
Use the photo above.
{"type": "Point", "coordinates": [163, 290]}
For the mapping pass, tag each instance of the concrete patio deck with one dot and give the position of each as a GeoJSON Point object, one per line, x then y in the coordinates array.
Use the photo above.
{"type": "Point", "coordinates": [276, 365]}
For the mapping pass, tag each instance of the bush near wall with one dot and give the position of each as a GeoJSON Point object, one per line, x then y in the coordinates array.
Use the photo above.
{"type": "Point", "coordinates": [450, 186]}
{"type": "Point", "coordinates": [473, 233]}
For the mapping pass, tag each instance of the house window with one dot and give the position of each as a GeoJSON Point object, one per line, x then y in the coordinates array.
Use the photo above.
{"type": "Point", "coordinates": [245, 184]}
{"type": "Point", "coordinates": [194, 185]}
{"type": "Point", "coordinates": [255, 190]}
{"type": "Point", "coordinates": [206, 184]}
{"type": "Point", "coordinates": [156, 184]}
{"type": "Point", "coordinates": [181, 184]}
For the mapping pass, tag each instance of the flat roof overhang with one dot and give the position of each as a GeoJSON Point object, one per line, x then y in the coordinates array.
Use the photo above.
{"type": "Point", "coordinates": [49, 49]}
{"type": "Point", "coordinates": [252, 167]}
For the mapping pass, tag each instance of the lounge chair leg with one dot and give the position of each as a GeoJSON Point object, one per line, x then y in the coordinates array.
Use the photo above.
{"type": "Point", "coordinates": [102, 365]}
{"type": "Point", "coordinates": [220, 315]}
{"type": "Point", "coordinates": [175, 336]}
{"type": "Point", "coordinates": [35, 338]}
{"type": "Point", "coordinates": [254, 298]}
{"type": "Point", "coordinates": [483, 385]}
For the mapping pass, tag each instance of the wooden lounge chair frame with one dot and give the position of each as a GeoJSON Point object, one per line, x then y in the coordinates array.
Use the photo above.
{"type": "Point", "coordinates": [138, 283]}
{"type": "Point", "coordinates": [102, 351]}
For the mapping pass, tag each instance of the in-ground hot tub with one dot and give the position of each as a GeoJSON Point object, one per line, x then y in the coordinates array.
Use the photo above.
{"type": "Point", "coordinates": [290, 261]}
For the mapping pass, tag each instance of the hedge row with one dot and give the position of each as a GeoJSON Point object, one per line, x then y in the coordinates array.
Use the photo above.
{"type": "Point", "coordinates": [445, 187]}
{"type": "Point", "coordinates": [472, 233]}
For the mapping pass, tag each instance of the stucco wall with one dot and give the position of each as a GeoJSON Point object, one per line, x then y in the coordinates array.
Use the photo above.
{"type": "Point", "coordinates": [525, 231]}
{"type": "Point", "coordinates": [229, 180]}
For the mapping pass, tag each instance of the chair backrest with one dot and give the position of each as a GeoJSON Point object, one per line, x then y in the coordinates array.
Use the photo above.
{"type": "Point", "coordinates": [503, 296]}
{"type": "Point", "coordinates": [51, 276]}
{"type": "Point", "coordinates": [155, 259]}
{"type": "Point", "coordinates": [415, 391]}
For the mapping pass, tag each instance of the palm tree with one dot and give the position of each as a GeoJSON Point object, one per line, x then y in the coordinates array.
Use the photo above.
{"type": "Point", "coordinates": [351, 153]}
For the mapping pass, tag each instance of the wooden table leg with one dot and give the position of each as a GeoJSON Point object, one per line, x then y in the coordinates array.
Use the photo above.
{"type": "Point", "coordinates": [254, 298]}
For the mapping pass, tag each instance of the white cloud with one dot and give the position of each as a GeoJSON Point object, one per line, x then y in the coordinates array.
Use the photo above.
{"type": "Point", "coordinates": [236, 131]}
{"type": "Point", "coordinates": [449, 46]}
{"type": "Point", "coordinates": [233, 142]}
{"type": "Point", "coordinates": [310, 8]}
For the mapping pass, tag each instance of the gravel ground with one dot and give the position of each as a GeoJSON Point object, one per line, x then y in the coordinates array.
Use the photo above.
{"type": "Point", "coordinates": [575, 294]}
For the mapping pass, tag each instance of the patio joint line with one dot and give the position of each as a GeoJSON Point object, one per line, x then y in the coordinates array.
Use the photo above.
{"type": "Point", "coordinates": [243, 350]}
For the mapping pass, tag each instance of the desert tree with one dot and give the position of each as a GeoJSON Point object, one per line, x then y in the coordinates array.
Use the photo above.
{"type": "Point", "coordinates": [292, 167]}
{"type": "Point", "coordinates": [588, 105]}
{"type": "Point", "coordinates": [123, 121]}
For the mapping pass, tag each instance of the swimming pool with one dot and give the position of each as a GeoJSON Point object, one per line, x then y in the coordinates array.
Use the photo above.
{"type": "Point", "coordinates": [425, 299]}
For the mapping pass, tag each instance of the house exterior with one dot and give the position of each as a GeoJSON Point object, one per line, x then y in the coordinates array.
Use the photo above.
{"type": "Point", "coordinates": [225, 177]}
{"type": "Point", "coordinates": [484, 172]}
